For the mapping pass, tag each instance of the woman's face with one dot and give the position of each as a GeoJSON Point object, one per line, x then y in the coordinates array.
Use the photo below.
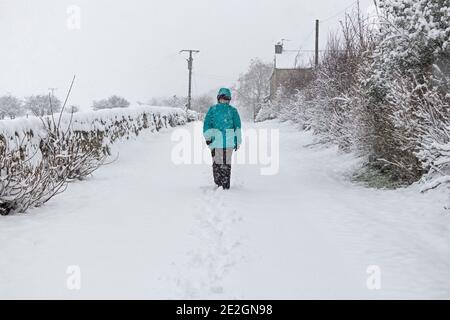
{"type": "Point", "coordinates": [221, 100]}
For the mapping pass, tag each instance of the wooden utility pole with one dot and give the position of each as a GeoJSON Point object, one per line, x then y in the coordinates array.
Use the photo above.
{"type": "Point", "coordinates": [52, 90]}
{"type": "Point", "coordinates": [190, 63]}
{"type": "Point", "coordinates": [316, 62]}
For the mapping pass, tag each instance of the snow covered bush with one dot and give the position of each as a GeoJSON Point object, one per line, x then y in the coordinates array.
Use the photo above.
{"type": "Point", "coordinates": [413, 35]}
{"type": "Point", "coordinates": [267, 111]}
{"type": "Point", "coordinates": [40, 155]}
{"type": "Point", "coordinates": [23, 184]}
{"type": "Point", "coordinates": [329, 105]}
{"type": "Point", "coordinates": [279, 107]}
{"type": "Point", "coordinates": [434, 139]}
{"type": "Point", "coordinates": [421, 122]}
{"type": "Point", "coordinates": [192, 115]}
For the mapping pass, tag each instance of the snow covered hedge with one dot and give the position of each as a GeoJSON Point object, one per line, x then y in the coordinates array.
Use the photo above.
{"type": "Point", "coordinates": [39, 156]}
{"type": "Point", "coordinates": [382, 90]}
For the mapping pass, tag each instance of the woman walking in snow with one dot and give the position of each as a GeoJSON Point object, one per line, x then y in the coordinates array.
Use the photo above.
{"type": "Point", "coordinates": [222, 131]}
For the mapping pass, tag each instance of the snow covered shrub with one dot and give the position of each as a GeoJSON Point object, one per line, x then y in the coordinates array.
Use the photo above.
{"type": "Point", "coordinates": [267, 111]}
{"type": "Point", "coordinates": [73, 155]}
{"type": "Point", "coordinates": [24, 184]}
{"type": "Point", "coordinates": [421, 120]}
{"type": "Point", "coordinates": [328, 105]}
{"type": "Point", "coordinates": [301, 110]}
{"type": "Point", "coordinates": [288, 109]}
{"type": "Point", "coordinates": [434, 139]}
{"type": "Point", "coordinates": [192, 116]}
{"type": "Point", "coordinates": [271, 109]}
{"type": "Point", "coordinates": [413, 35]}
{"type": "Point", "coordinates": [34, 169]}
{"type": "Point", "coordinates": [398, 129]}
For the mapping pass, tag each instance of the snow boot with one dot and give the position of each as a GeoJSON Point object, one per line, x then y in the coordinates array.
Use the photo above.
{"type": "Point", "coordinates": [222, 167]}
{"type": "Point", "coordinates": [216, 174]}
{"type": "Point", "coordinates": [226, 175]}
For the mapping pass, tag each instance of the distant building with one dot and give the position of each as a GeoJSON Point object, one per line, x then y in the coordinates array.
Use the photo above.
{"type": "Point", "coordinates": [289, 79]}
{"type": "Point", "coordinates": [291, 71]}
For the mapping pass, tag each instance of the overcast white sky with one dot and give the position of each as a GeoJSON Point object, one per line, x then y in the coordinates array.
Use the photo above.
{"type": "Point", "coordinates": [130, 47]}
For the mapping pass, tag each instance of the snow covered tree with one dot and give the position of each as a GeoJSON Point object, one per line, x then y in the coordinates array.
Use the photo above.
{"type": "Point", "coordinates": [202, 103]}
{"type": "Point", "coordinates": [111, 103]}
{"type": "Point", "coordinates": [41, 105]}
{"type": "Point", "coordinates": [176, 102]}
{"type": "Point", "coordinates": [172, 101]}
{"type": "Point", "coordinates": [253, 86]}
{"type": "Point", "coordinates": [11, 107]}
{"type": "Point", "coordinates": [72, 109]}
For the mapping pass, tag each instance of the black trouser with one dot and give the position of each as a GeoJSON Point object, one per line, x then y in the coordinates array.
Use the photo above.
{"type": "Point", "coordinates": [222, 166]}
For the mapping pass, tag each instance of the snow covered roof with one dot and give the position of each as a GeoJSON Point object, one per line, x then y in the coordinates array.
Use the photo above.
{"type": "Point", "coordinates": [294, 59]}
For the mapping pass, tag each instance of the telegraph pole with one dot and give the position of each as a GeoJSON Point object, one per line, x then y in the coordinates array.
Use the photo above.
{"type": "Point", "coordinates": [317, 44]}
{"type": "Point", "coordinates": [190, 63]}
{"type": "Point", "coordinates": [52, 91]}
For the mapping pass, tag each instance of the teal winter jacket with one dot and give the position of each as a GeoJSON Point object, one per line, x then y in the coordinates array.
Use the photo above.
{"type": "Point", "coordinates": [222, 125]}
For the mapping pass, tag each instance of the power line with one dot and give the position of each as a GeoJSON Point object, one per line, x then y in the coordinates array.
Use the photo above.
{"type": "Point", "coordinates": [300, 47]}
{"type": "Point", "coordinates": [316, 30]}
{"type": "Point", "coordinates": [338, 13]}
{"type": "Point", "coordinates": [312, 32]}
{"type": "Point", "coordinates": [310, 50]}
{"type": "Point", "coordinates": [307, 38]}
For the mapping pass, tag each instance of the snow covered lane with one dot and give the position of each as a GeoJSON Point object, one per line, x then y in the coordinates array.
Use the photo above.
{"type": "Point", "coordinates": [143, 227]}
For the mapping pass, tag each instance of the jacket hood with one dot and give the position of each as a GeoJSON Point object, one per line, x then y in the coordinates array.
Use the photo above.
{"type": "Point", "coordinates": [225, 92]}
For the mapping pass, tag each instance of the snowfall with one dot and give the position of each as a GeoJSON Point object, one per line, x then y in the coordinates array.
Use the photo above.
{"type": "Point", "coordinates": [145, 227]}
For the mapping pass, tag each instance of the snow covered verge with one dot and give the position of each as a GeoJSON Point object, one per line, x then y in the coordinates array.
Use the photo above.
{"type": "Point", "coordinates": [39, 155]}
